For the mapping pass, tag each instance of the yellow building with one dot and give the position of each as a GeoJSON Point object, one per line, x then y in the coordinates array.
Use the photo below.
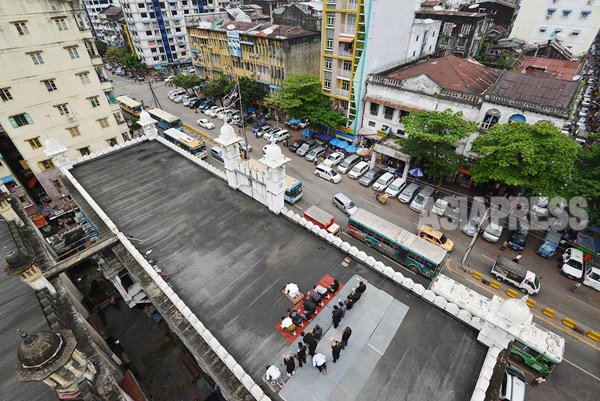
{"type": "Point", "coordinates": [266, 53]}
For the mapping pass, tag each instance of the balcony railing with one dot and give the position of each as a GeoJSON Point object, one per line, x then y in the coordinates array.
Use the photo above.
{"type": "Point", "coordinates": [345, 73]}
{"type": "Point", "coordinates": [349, 29]}
{"type": "Point", "coordinates": [345, 53]}
{"type": "Point", "coordinates": [344, 92]}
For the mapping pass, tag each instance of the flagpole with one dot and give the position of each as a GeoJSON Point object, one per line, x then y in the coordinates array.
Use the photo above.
{"type": "Point", "coordinates": [243, 121]}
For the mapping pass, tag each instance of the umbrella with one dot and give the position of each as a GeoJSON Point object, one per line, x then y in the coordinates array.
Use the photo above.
{"type": "Point", "coordinates": [351, 149]}
{"type": "Point", "coordinates": [363, 152]}
{"type": "Point", "coordinates": [416, 172]}
{"type": "Point", "coordinates": [294, 121]}
{"type": "Point", "coordinates": [307, 133]}
{"type": "Point", "coordinates": [334, 142]}
{"type": "Point", "coordinates": [343, 145]}
{"type": "Point", "coordinates": [251, 109]}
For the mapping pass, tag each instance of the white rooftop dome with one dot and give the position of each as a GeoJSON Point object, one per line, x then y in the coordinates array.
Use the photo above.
{"type": "Point", "coordinates": [145, 118]}
{"type": "Point", "coordinates": [515, 310]}
{"type": "Point", "coordinates": [273, 152]}
{"type": "Point", "coordinates": [227, 132]}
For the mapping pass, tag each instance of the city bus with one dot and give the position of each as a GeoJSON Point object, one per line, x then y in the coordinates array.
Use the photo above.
{"type": "Point", "coordinates": [165, 120]}
{"type": "Point", "coordinates": [293, 190]}
{"type": "Point", "coordinates": [538, 348]}
{"type": "Point", "coordinates": [420, 256]}
{"type": "Point", "coordinates": [192, 145]}
{"type": "Point", "coordinates": [129, 105]}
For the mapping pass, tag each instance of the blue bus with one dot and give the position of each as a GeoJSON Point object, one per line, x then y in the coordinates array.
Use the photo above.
{"type": "Point", "coordinates": [165, 120]}
{"type": "Point", "coordinates": [192, 145]}
{"type": "Point", "coordinates": [420, 256]}
{"type": "Point", "coordinates": [293, 190]}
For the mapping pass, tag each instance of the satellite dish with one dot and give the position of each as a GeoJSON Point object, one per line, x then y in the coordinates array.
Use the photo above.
{"type": "Point", "coordinates": [438, 8]}
{"type": "Point", "coordinates": [428, 21]}
{"type": "Point", "coordinates": [231, 26]}
{"type": "Point", "coordinates": [472, 6]}
{"type": "Point", "coordinates": [576, 77]}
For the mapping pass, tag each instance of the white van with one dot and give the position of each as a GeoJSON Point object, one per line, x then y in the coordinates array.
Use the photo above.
{"type": "Point", "coordinates": [383, 182]}
{"type": "Point", "coordinates": [348, 163]}
{"type": "Point", "coordinates": [327, 173]}
{"type": "Point", "coordinates": [344, 203]}
{"type": "Point", "coordinates": [418, 204]}
{"type": "Point", "coordinates": [572, 264]}
{"type": "Point", "coordinates": [395, 187]}
{"type": "Point", "coordinates": [493, 232]}
{"type": "Point", "coordinates": [217, 153]}
{"type": "Point", "coordinates": [506, 270]}
{"type": "Point", "coordinates": [358, 170]}
{"type": "Point", "coordinates": [513, 384]}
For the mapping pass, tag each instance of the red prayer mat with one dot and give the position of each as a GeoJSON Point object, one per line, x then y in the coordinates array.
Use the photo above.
{"type": "Point", "coordinates": [324, 282]}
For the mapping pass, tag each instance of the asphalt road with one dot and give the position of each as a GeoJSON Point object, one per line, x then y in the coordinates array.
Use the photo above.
{"type": "Point", "coordinates": [576, 378]}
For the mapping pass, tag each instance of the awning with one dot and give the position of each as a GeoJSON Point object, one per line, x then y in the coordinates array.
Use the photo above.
{"type": "Point", "coordinates": [324, 137]}
{"type": "Point", "coordinates": [7, 179]}
{"type": "Point", "coordinates": [567, 10]}
{"type": "Point", "coordinates": [368, 134]}
{"type": "Point", "coordinates": [274, 86]}
{"type": "Point", "coordinates": [217, 69]}
{"type": "Point", "coordinates": [464, 171]}
{"type": "Point", "coordinates": [552, 9]}
{"type": "Point", "coordinates": [388, 103]}
{"type": "Point", "coordinates": [344, 136]}
{"type": "Point", "coordinates": [346, 39]}
{"type": "Point", "coordinates": [586, 12]}
{"type": "Point", "coordinates": [294, 121]}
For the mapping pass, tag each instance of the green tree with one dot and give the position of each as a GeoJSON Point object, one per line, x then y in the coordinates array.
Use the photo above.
{"type": "Point", "coordinates": [186, 81]}
{"type": "Point", "coordinates": [101, 46]}
{"type": "Point", "coordinates": [301, 97]}
{"type": "Point", "coordinates": [134, 62]}
{"type": "Point", "coordinates": [217, 88]}
{"type": "Point", "coordinates": [251, 91]}
{"type": "Point", "coordinates": [432, 137]}
{"type": "Point", "coordinates": [115, 55]}
{"type": "Point", "coordinates": [586, 179]}
{"type": "Point", "coordinates": [536, 157]}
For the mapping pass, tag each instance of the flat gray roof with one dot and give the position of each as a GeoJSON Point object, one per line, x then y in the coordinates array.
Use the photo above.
{"type": "Point", "coordinates": [228, 258]}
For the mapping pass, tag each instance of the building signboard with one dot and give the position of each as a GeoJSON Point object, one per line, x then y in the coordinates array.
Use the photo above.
{"type": "Point", "coordinates": [233, 42]}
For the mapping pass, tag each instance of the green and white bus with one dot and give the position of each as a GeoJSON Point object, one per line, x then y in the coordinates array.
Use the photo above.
{"type": "Point", "coordinates": [420, 256]}
{"type": "Point", "coordinates": [538, 348]}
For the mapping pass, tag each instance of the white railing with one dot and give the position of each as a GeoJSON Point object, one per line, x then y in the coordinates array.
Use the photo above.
{"type": "Point", "coordinates": [345, 53]}
{"type": "Point", "coordinates": [344, 73]}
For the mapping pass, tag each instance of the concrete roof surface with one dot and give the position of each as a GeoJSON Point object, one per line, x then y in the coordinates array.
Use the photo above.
{"type": "Point", "coordinates": [228, 258]}
{"type": "Point", "coordinates": [451, 72]}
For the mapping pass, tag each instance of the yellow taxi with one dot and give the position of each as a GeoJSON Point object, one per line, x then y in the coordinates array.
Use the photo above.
{"type": "Point", "coordinates": [436, 237]}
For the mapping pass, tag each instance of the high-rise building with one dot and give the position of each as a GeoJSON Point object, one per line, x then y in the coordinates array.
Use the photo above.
{"type": "Point", "coordinates": [156, 28]}
{"type": "Point", "coordinates": [53, 88]}
{"type": "Point", "coordinates": [575, 22]}
{"type": "Point", "coordinates": [360, 36]}
{"type": "Point", "coordinates": [95, 7]}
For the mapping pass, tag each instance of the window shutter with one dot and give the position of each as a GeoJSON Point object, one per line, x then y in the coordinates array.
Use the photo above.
{"type": "Point", "coordinates": [12, 122]}
{"type": "Point", "coordinates": [28, 118]}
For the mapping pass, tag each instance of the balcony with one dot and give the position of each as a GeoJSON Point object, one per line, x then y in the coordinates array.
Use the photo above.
{"type": "Point", "coordinates": [96, 59]}
{"type": "Point", "coordinates": [349, 29]}
{"type": "Point", "coordinates": [345, 53]}
{"type": "Point", "coordinates": [344, 73]}
{"type": "Point", "coordinates": [343, 93]}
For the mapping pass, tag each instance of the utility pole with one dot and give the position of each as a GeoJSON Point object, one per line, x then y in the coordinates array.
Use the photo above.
{"type": "Point", "coordinates": [154, 98]}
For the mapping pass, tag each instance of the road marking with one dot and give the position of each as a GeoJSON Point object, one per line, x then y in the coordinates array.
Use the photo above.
{"type": "Point", "coordinates": [375, 349]}
{"type": "Point", "coordinates": [586, 304]}
{"type": "Point", "coordinates": [371, 203]}
{"type": "Point", "coordinates": [582, 369]}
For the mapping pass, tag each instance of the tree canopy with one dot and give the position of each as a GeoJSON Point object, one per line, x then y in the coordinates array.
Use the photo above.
{"type": "Point", "coordinates": [134, 62]}
{"type": "Point", "coordinates": [186, 81]}
{"type": "Point", "coordinates": [115, 54]}
{"type": "Point", "coordinates": [217, 88]}
{"type": "Point", "coordinates": [433, 137]}
{"type": "Point", "coordinates": [301, 97]}
{"type": "Point", "coordinates": [536, 157]}
{"type": "Point", "coordinates": [586, 179]}
{"type": "Point", "coordinates": [251, 91]}
{"type": "Point", "coordinates": [101, 46]}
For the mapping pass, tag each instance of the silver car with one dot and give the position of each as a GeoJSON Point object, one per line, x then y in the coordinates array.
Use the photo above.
{"type": "Point", "coordinates": [471, 227]}
{"type": "Point", "coordinates": [315, 154]}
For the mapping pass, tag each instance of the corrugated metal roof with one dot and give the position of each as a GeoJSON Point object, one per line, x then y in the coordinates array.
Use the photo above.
{"type": "Point", "coordinates": [562, 69]}
{"type": "Point", "coordinates": [547, 91]}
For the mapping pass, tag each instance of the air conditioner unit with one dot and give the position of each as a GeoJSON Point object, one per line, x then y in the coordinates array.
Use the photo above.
{"type": "Point", "coordinates": [70, 118]}
{"type": "Point", "coordinates": [460, 35]}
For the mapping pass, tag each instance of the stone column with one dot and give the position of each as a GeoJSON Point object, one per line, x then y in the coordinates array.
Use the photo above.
{"type": "Point", "coordinates": [231, 156]}
{"type": "Point", "coordinates": [405, 172]}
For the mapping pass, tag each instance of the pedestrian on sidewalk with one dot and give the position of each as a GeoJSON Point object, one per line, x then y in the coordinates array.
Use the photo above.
{"type": "Point", "coordinates": [336, 316]}
{"type": "Point", "coordinates": [320, 362]}
{"type": "Point", "coordinates": [301, 354]}
{"type": "Point", "coordinates": [336, 348]}
{"type": "Point", "coordinates": [576, 286]}
{"type": "Point", "coordinates": [504, 245]}
{"type": "Point", "coordinates": [539, 380]}
{"type": "Point", "coordinates": [518, 258]}
{"type": "Point", "coordinates": [346, 333]}
{"type": "Point", "coordinates": [290, 364]}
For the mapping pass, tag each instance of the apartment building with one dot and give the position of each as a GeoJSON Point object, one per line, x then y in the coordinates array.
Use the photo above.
{"type": "Point", "coordinates": [266, 53]}
{"type": "Point", "coordinates": [358, 37]}
{"type": "Point", "coordinates": [52, 86]}
{"type": "Point", "coordinates": [93, 9]}
{"type": "Point", "coordinates": [573, 22]}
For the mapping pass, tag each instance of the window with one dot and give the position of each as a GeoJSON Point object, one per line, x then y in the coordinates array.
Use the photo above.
{"type": "Point", "coordinates": [62, 24]}
{"type": "Point", "coordinates": [465, 29]}
{"type": "Point", "coordinates": [330, 19]}
{"type": "Point", "coordinates": [585, 13]}
{"type": "Point", "coordinates": [491, 118]}
{"type": "Point", "coordinates": [74, 131]}
{"type": "Point", "coordinates": [21, 28]}
{"type": "Point", "coordinates": [119, 118]}
{"type": "Point", "coordinates": [371, 123]}
{"type": "Point", "coordinates": [550, 12]}
{"type": "Point", "coordinates": [85, 78]}
{"type": "Point", "coordinates": [327, 84]}
{"type": "Point", "coordinates": [417, 38]}
{"type": "Point", "coordinates": [20, 120]}
{"type": "Point", "coordinates": [374, 109]}
{"type": "Point", "coordinates": [345, 85]}
{"type": "Point", "coordinates": [85, 151]}
{"type": "Point", "coordinates": [57, 184]}
{"type": "Point", "coordinates": [112, 142]}
{"type": "Point", "coordinates": [94, 101]}
{"type": "Point", "coordinates": [575, 33]}
{"type": "Point", "coordinates": [50, 85]}
{"type": "Point", "coordinates": [34, 142]}
{"type": "Point", "coordinates": [5, 94]}
{"type": "Point", "coordinates": [328, 64]}
{"type": "Point", "coordinates": [125, 136]}
{"type": "Point", "coordinates": [328, 44]}
{"type": "Point", "coordinates": [566, 12]}
{"type": "Point", "coordinates": [388, 113]}
{"type": "Point", "coordinates": [24, 200]}
{"type": "Point", "coordinates": [62, 109]}
{"type": "Point", "coordinates": [37, 58]}
{"type": "Point", "coordinates": [447, 29]}
{"type": "Point", "coordinates": [103, 122]}
{"type": "Point", "coordinates": [47, 164]}
{"type": "Point", "coordinates": [73, 52]}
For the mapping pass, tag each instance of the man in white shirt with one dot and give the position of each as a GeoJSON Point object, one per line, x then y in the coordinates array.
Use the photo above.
{"type": "Point", "coordinates": [319, 360]}
{"type": "Point", "coordinates": [273, 375]}
{"type": "Point", "coordinates": [292, 290]}
{"type": "Point", "coordinates": [288, 325]}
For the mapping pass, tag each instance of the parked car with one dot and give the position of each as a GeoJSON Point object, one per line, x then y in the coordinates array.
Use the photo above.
{"type": "Point", "coordinates": [212, 112]}
{"type": "Point", "coordinates": [176, 93]}
{"type": "Point", "coordinates": [436, 237]}
{"type": "Point", "coordinates": [549, 244]}
{"type": "Point", "coordinates": [261, 130]}
{"type": "Point", "coordinates": [583, 112]}
{"type": "Point", "coordinates": [592, 275]}
{"type": "Point", "coordinates": [344, 203]}
{"type": "Point", "coordinates": [268, 133]}
{"type": "Point", "coordinates": [225, 114]}
{"type": "Point", "coordinates": [358, 170]}
{"type": "Point", "coordinates": [279, 136]}
{"type": "Point", "coordinates": [382, 182]}
{"type": "Point", "coordinates": [348, 163]}
{"type": "Point", "coordinates": [425, 195]}
{"type": "Point", "coordinates": [217, 153]}
{"type": "Point", "coordinates": [197, 103]}
{"type": "Point", "coordinates": [295, 145]}
{"type": "Point", "coordinates": [333, 159]}
{"type": "Point", "coordinates": [206, 105]}
{"type": "Point", "coordinates": [408, 193]}
{"type": "Point", "coordinates": [304, 123]}
{"type": "Point", "coordinates": [572, 264]}
{"type": "Point", "coordinates": [315, 154]}
{"type": "Point", "coordinates": [518, 238]}
{"type": "Point", "coordinates": [306, 148]}
{"type": "Point", "coordinates": [179, 99]}
{"type": "Point", "coordinates": [242, 145]}
{"type": "Point", "coordinates": [512, 387]}
{"type": "Point", "coordinates": [328, 174]}
{"type": "Point", "coordinates": [371, 176]}
{"type": "Point", "coordinates": [258, 125]}
{"type": "Point", "coordinates": [471, 227]}
{"type": "Point", "coordinates": [169, 78]}
{"type": "Point", "coordinates": [492, 232]}
{"type": "Point", "coordinates": [190, 100]}
{"type": "Point", "coordinates": [395, 187]}
{"type": "Point", "coordinates": [205, 123]}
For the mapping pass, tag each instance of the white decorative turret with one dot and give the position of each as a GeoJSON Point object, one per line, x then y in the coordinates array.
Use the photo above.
{"type": "Point", "coordinates": [18, 263]}
{"type": "Point", "coordinates": [148, 124]}
{"type": "Point", "coordinates": [274, 162]}
{"type": "Point", "coordinates": [505, 321]}
{"type": "Point", "coordinates": [231, 155]}
{"type": "Point", "coordinates": [7, 212]}
{"type": "Point", "coordinates": [57, 152]}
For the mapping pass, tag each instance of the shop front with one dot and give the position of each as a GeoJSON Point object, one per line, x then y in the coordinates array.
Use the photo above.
{"type": "Point", "coordinates": [388, 155]}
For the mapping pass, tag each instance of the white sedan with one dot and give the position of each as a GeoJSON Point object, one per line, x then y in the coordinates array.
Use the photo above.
{"type": "Point", "coordinates": [333, 159]}
{"type": "Point", "coordinates": [592, 278]}
{"type": "Point", "coordinates": [203, 122]}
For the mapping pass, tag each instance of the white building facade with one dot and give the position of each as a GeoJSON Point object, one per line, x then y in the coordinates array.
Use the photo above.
{"type": "Point", "coordinates": [95, 7]}
{"type": "Point", "coordinates": [52, 86]}
{"type": "Point", "coordinates": [574, 22]}
{"type": "Point", "coordinates": [157, 28]}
